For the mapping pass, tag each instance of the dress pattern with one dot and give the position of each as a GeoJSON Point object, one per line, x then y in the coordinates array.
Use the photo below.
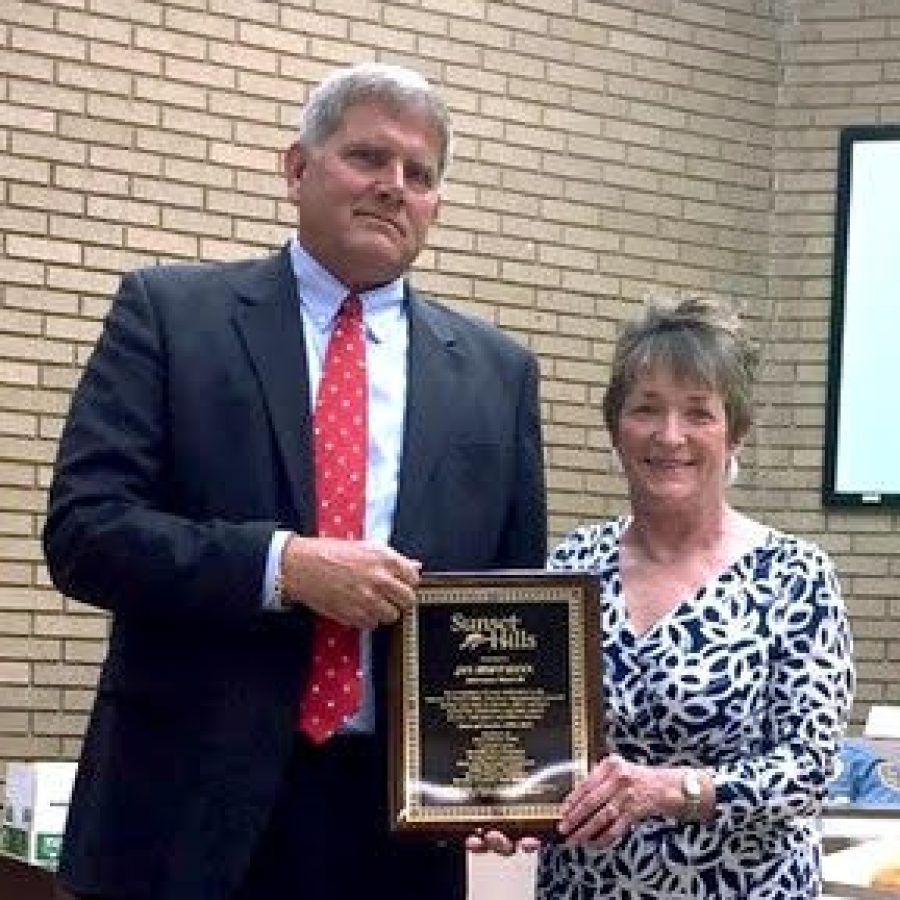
{"type": "Point", "coordinates": [751, 678]}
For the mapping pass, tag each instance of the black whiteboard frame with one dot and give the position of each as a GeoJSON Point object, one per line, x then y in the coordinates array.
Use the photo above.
{"type": "Point", "coordinates": [832, 496]}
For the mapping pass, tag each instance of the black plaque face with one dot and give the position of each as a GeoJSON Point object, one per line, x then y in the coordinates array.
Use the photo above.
{"type": "Point", "coordinates": [495, 713]}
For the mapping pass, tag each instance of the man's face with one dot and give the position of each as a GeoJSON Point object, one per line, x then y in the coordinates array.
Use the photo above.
{"type": "Point", "coordinates": [367, 195]}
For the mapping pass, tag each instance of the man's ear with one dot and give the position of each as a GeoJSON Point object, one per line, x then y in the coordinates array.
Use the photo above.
{"type": "Point", "coordinates": [294, 166]}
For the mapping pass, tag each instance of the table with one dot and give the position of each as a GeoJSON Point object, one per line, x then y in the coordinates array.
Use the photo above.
{"type": "Point", "coordinates": [848, 872]}
{"type": "Point", "coordinates": [20, 880]}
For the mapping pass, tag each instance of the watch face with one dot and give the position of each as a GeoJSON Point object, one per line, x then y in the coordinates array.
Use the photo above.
{"type": "Point", "coordinates": [692, 785]}
{"type": "Point", "coordinates": [691, 789]}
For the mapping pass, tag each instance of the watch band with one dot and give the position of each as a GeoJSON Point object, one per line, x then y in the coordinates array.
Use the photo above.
{"type": "Point", "coordinates": [692, 794]}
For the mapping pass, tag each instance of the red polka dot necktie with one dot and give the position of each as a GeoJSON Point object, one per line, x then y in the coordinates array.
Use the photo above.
{"type": "Point", "coordinates": [340, 438]}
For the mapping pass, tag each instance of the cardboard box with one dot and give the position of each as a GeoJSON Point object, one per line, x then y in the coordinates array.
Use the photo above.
{"type": "Point", "coordinates": [37, 801]}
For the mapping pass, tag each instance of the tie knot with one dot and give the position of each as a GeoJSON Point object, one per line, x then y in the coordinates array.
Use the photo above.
{"type": "Point", "coordinates": [351, 308]}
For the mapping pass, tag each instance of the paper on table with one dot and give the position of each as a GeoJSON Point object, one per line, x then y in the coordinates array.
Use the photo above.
{"type": "Point", "coordinates": [857, 865]}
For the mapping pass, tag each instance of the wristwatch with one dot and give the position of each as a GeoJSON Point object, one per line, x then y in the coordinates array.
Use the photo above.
{"type": "Point", "coordinates": [692, 793]}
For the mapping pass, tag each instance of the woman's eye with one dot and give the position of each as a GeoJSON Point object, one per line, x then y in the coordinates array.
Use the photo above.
{"type": "Point", "coordinates": [420, 175]}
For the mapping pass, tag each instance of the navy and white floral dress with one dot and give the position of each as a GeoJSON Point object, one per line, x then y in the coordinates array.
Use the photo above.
{"type": "Point", "coordinates": [752, 678]}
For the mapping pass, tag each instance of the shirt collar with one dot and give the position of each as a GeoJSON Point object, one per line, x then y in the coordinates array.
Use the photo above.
{"type": "Point", "coordinates": [321, 295]}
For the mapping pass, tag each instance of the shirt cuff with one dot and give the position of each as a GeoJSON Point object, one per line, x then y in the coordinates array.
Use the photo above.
{"type": "Point", "coordinates": [271, 593]}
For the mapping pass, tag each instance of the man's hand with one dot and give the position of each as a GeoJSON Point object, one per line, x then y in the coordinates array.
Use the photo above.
{"type": "Point", "coordinates": [358, 583]}
{"type": "Point", "coordinates": [495, 841]}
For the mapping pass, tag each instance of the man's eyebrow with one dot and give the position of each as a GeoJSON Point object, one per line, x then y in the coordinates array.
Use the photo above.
{"type": "Point", "coordinates": [357, 143]}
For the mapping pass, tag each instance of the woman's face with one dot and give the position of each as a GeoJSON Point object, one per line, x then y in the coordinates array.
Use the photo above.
{"type": "Point", "coordinates": [673, 438]}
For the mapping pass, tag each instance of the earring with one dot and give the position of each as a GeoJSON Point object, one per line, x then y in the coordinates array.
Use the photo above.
{"type": "Point", "coordinates": [733, 470]}
{"type": "Point", "coordinates": [615, 462]}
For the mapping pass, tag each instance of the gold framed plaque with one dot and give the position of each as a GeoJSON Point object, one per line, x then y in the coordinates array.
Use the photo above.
{"type": "Point", "coordinates": [495, 711]}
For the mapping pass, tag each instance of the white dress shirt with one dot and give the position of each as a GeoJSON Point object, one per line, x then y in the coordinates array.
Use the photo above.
{"type": "Point", "coordinates": [387, 340]}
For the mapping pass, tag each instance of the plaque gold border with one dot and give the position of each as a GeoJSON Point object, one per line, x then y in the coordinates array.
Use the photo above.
{"type": "Point", "coordinates": [579, 591]}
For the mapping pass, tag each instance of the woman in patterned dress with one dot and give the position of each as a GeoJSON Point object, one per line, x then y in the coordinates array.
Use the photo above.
{"type": "Point", "coordinates": [728, 670]}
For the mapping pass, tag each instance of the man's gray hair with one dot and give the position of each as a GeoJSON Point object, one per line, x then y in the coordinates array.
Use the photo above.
{"type": "Point", "coordinates": [398, 88]}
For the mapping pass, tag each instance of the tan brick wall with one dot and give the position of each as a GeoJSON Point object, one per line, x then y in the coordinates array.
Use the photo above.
{"type": "Point", "coordinates": [604, 150]}
{"type": "Point", "coordinates": [838, 68]}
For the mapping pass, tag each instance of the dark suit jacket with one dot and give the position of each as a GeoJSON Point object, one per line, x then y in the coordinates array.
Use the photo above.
{"type": "Point", "coordinates": [187, 444]}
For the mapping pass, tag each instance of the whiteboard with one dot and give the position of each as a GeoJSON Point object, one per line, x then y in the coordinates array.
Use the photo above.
{"type": "Point", "coordinates": [862, 440]}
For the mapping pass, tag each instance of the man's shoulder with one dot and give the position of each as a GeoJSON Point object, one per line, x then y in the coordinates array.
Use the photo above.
{"type": "Point", "coordinates": [182, 293]}
{"type": "Point", "coordinates": [462, 325]}
{"type": "Point", "coordinates": [244, 275]}
{"type": "Point", "coordinates": [238, 272]}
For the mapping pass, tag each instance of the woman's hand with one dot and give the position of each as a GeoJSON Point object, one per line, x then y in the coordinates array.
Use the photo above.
{"type": "Point", "coordinates": [615, 796]}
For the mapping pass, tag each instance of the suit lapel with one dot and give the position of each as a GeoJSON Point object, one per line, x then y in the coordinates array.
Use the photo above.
{"type": "Point", "coordinates": [434, 361]}
{"type": "Point", "coordinates": [271, 327]}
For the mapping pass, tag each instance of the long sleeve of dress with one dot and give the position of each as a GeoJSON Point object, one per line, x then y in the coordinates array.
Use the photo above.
{"type": "Point", "coordinates": [808, 696]}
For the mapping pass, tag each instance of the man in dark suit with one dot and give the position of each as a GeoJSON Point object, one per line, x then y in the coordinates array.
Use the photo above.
{"type": "Point", "coordinates": [184, 501]}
